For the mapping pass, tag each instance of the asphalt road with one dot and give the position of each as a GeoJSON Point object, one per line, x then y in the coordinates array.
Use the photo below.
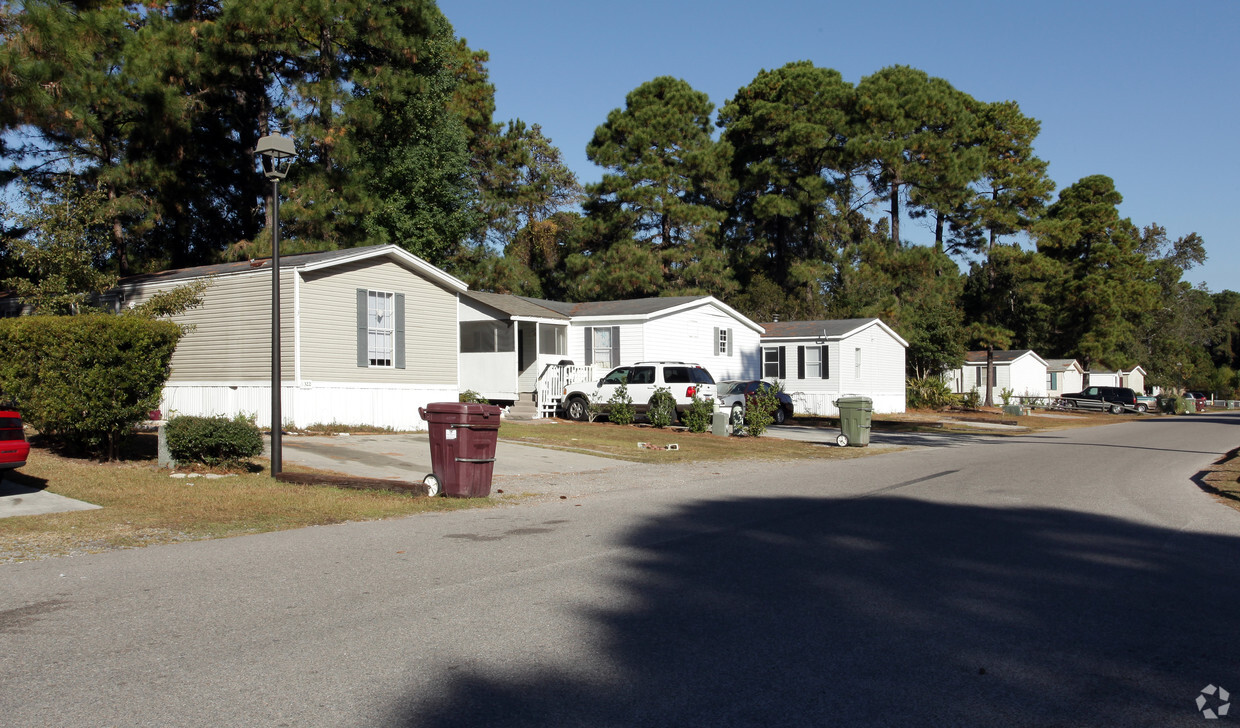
{"type": "Point", "coordinates": [1067, 579]}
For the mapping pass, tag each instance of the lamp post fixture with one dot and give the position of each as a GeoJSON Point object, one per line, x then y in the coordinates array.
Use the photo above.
{"type": "Point", "coordinates": [277, 156]}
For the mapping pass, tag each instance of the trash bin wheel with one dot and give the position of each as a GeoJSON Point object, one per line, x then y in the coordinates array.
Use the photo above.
{"type": "Point", "coordinates": [432, 485]}
{"type": "Point", "coordinates": [842, 440]}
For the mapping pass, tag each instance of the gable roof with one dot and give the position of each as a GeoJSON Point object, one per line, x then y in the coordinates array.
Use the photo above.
{"type": "Point", "coordinates": [299, 261]}
{"type": "Point", "coordinates": [1000, 357]}
{"type": "Point", "coordinates": [825, 329]}
{"type": "Point", "coordinates": [1063, 365]}
{"type": "Point", "coordinates": [635, 309]}
{"type": "Point", "coordinates": [515, 306]}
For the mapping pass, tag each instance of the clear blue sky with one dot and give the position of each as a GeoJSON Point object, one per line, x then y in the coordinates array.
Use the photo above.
{"type": "Point", "coordinates": [1143, 92]}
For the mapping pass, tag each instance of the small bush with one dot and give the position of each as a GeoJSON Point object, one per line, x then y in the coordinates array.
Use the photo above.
{"type": "Point", "coordinates": [971, 400]}
{"type": "Point", "coordinates": [469, 396]}
{"type": "Point", "coordinates": [929, 393]}
{"type": "Point", "coordinates": [213, 441]}
{"type": "Point", "coordinates": [697, 417]}
{"type": "Point", "coordinates": [1005, 394]}
{"type": "Point", "coordinates": [620, 408]}
{"type": "Point", "coordinates": [760, 411]}
{"type": "Point", "coordinates": [662, 409]}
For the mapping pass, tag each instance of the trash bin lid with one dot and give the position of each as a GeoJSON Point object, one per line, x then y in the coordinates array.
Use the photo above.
{"type": "Point", "coordinates": [854, 400]}
{"type": "Point", "coordinates": [470, 409]}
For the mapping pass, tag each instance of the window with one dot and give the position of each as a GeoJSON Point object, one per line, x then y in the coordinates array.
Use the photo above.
{"type": "Point", "coordinates": [486, 336]}
{"type": "Point", "coordinates": [641, 375]}
{"type": "Point", "coordinates": [380, 328]}
{"type": "Point", "coordinates": [602, 345]}
{"type": "Point", "coordinates": [813, 362]}
{"type": "Point", "coordinates": [770, 363]}
{"type": "Point", "coordinates": [617, 376]}
{"type": "Point", "coordinates": [1052, 380]}
{"type": "Point", "coordinates": [977, 371]}
{"type": "Point", "coordinates": [552, 339]}
{"type": "Point", "coordinates": [857, 362]}
{"type": "Point", "coordinates": [722, 348]}
{"type": "Point", "coordinates": [773, 362]}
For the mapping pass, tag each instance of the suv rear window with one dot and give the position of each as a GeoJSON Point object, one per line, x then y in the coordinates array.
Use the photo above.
{"type": "Point", "coordinates": [676, 375]}
{"type": "Point", "coordinates": [701, 376]}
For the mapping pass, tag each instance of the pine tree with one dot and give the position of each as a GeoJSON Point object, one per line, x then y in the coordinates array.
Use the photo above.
{"type": "Point", "coordinates": [662, 192]}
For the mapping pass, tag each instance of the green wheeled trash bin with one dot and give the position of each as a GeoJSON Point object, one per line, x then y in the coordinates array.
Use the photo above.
{"type": "Point", "coordinates": [855, 415]}
{"type": "Point", "coordinates": [463, 438]}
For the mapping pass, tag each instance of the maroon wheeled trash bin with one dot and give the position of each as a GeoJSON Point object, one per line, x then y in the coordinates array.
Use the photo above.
{"type": "Point", "coordinates": [462, 448]}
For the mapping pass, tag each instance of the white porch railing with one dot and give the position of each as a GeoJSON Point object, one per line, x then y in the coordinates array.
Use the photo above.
{"type": "Point", "coordinates": [553, 380]}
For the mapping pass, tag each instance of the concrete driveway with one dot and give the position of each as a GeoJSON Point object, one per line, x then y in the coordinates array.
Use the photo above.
{"type": "Point", "coordinates": [408, 457]}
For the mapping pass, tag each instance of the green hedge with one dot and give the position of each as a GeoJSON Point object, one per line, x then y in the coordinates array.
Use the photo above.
{"type": "Point", "coordinates": [213, 440]}
{"type": "Point", "coordinates": [85, 381]}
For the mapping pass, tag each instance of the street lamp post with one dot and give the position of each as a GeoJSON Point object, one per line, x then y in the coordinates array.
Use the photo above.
{"type": "Point", "coordinates": [278, 153]}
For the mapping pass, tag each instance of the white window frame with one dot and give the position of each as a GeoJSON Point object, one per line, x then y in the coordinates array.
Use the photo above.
{"type": "Point", "coordinates": [770, 351]}
{"type": "Point", "coordinates": [597, 351]}
{"type": "Point", "coordinates": [381, 329]}
{"type": "Point", "coordinates": [721, 346]}
{"type": "Point", "coordinates": [813, 369]}
{"type": "Point", "coordinates": [857, 363]}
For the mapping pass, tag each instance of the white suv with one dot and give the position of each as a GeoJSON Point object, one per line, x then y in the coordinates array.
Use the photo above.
{"type": "Point", "coordinates": [681, 379]}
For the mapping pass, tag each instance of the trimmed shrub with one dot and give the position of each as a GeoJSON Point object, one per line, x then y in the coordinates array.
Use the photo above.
{"type": "Point", "coordinates": [213, 440]}
{"type": "Point", "coordinates": [697, 417]}
{"type": "Point", "coordinates": [662, 409]}
{"type": "Point", "coordinates": [85, 381]}
{"type": "Point", "coordinates": [620, 408]}
{"type": "Point", "coordinates": [971, 400]}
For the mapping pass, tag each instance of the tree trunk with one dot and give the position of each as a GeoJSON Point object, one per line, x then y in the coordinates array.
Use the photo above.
{"type": "Point", "coordinates": [895, 213]}
{"type": "Point", "coordinates": [990, 375]}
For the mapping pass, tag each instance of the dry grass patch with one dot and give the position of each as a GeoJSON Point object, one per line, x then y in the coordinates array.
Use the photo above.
{"type": "Point", "coordinates": [1223, 479]}
{"type": "Point", "coordinates": [143, 505]}
{"type": "Point", "coordinates": [620, 442]}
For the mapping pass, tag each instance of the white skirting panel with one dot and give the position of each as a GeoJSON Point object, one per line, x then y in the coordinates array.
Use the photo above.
{"type": "Point", "coordinates": [822, 404]}
{"type": "Point", "coordinates": [342, 403]}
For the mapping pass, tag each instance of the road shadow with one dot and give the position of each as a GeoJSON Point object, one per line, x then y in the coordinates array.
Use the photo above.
{"type": "Point", "coordinates": [14, 482]}
{"type": "Point", "coordinates": [881, 611]}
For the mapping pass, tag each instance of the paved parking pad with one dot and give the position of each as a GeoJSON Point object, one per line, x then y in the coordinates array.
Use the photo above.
{"type": "Point", "coordinates": [408, 457]}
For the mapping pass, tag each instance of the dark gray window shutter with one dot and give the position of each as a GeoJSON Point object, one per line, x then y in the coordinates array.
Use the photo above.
{"type": "Point", "coordinates": [615, 346]}
{"type": "Point", "coordinates": [783, 364]}
{"type": "Point", "coordinates": [400, 331]}
{"type": "Point", "coordinates": [729, 342]}
{"type": "Point", "coordinates": [589, 347]}
{"type": "Point", "coordinates": [800, 362]}
{"type": "Point", "coordinates": [716, 340]}
{"type": "Point", "coordinates": [826, 368]}
{"type": "Point", "coordinates": [363, 348]}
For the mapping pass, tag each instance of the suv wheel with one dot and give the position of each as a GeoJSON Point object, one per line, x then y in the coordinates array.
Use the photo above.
{"type": "Point", "coordinates": [780, 415]}
{"type": "Point", "coordinates": [1117, 409]}
{"type": "Point", "coordinates": [1142, 407]}
{"type": "Point", "coordinates": [577, 409]}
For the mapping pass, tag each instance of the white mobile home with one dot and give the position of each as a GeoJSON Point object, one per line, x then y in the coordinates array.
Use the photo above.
{"type": "Point", "coordinates": [566, 342]}
{"type": "Point", "coordinates": [1064, 376]}
{"type": "Point", "coordinates": [1022, 371]}
{"type": "Point", "coordinates": [821, 361]}
{"type": "Point", "coordinates": [367, 336]}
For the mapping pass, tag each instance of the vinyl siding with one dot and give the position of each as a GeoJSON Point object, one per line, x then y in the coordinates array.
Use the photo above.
{"type": "Point", "coordinates": [632, 342]}
{"type": "Point", "coordinates": [231, 334]}
{"type": "Point", "coordinates": [328, 316]}
{"type": "Point", "coordinates": [1027, 377]}
{"type": "Point", "coordinates": [882, 372]}
{"type": "Point", "coordinates": [689, 336]}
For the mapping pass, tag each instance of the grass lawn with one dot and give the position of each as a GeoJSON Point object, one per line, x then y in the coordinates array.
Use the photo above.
{"type": "Point", "coordinates": [1223, 479]}
{"type": "Point", "coordinates": [143, 505]}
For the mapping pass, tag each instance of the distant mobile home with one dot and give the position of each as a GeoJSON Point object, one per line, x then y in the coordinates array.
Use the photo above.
{"type": "Point", "coordinates": [821, 361]}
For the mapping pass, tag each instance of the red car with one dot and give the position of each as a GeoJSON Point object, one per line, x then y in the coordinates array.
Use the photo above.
{"type": "Point", "coordinates": [13, 446]}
